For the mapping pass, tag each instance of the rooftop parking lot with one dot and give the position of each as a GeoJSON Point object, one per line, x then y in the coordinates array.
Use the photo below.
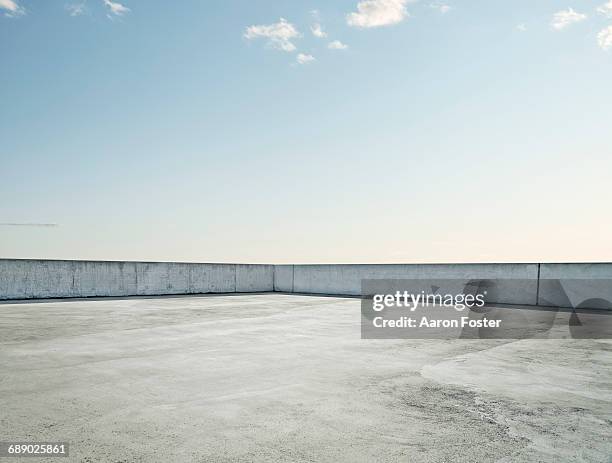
{"type": "Point", "coordinates": [275, 377]}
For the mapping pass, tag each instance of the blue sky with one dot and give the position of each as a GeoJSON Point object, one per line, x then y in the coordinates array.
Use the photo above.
{"type": "Point", "coordinates": [217, 131]}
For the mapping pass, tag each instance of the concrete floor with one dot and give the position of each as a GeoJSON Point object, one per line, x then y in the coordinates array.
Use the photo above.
{"type": "Point", "coordinates": [275, 377]}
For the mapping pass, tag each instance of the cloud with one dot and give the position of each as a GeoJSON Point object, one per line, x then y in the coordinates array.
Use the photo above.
{"type": "Point", "coordinates": [606, 9]}
{"type": "Point", "coordinates": [376, 13]}
{"type": "Point", "coordinates": [12, 8]}
{"type": "Point", "coordinates": [318, 31]}
{"type": "Point", "coordinates": [304, 58]}
{"type": "Point", "coordinates": [279, 34]}
{"type": "Point", "coordinates": [76, 9]}
{"type": "Point", "coordinates": [521, 27]}
{"type": "Point", "coordinates": [441, 7]}
{"type": "Point", "coordinates": [337, 45]}
{"type": "Point", "coordinates": [116, 8]}
{"type": "Point", "coordinates": [605, 38]}
{"type": "Point", "coordinates": [562, 19]}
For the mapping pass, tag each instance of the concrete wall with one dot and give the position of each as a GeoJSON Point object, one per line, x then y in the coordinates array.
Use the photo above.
{"type": "Point", "coordinates": [576, 285]}
{"type": "Point", "coordinates": [555, 285]}
{"type": "Point", "coordinates": [27, 279]}
{"type": "Point", "coordinates": [516, 283]}
{"type": "Point", "coordinates": [561, 285]}
{"type": "Point", "coordinates": [251, 278]}
{"type": "Point", "coordinates": [283, 278]}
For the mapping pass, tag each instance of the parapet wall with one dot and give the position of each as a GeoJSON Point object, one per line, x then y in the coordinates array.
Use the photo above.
{"type": "Point", "coordinates": [561, 285]}
{"type": "Point", "coordinates": [576, 285]}
{"type": "Point", "coordinates": [33, 279]}
{"type": "Point", "coordinates": [519, 281]}
{"type": "Point", "coordinates": [558, 285]}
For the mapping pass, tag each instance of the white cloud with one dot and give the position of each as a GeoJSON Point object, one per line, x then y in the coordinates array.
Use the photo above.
{"type": "Point", "coordinates": [521, 27]}
{"type": "Point", "coordinates": [605, 38]}
{"type": "Point", "coordinates": [304, 58]}
{"type": "Point", "coordinates": [441, 7]}
{"type": "Point", "coordinates": [11, 8]}
{"type": "Point", "coordinates": [562, 19]}
{"type": "Point", "coordinates": [76, 9]}
{"type": "Point", "coordinates": [116, 8]}
{"type": "Point", "coordinates": [318, 31]}
{"type": "Point", "coordinates": [606, 9]}
{"type": "Point", "coordinates": [337, 45]}
{"type": "Point", "coordinates": [375, 13]}
{"type": "Point", "coordinates": [279, 34]}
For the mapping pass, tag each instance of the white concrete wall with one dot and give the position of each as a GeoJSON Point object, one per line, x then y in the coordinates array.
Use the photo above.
{"type": "Point", "coordinates": [162, 278]}
{"type": "Point", "coordinates": [562, 285]}
{"type": "Point", "coordinates": [28, 279]}
{"type": "Point", "coordinates": [24, 279]}
{"type": "Point", "coordinates": [250, 278]}
{"type": "Point", "coordinates": [212, 278]}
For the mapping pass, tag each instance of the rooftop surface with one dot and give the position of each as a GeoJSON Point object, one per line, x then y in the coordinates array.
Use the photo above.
{"type": "Point", "coordinates": [274, 377]}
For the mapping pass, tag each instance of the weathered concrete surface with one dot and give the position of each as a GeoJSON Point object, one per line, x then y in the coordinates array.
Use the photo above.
{"type": "Point", "coordinates": [28, 279]}
{"type": "Point", "coordinates": [252, 278]}
{"type": "Point", "coordinates": [212, 278]}
{"type": "Point", "coordinates": [287, 378]}
{"type": "Point", "coordinates": [283, 278]}
{"type": "Point", "coordinates": [517, 282]}
{"type": "Point", "coordinates": [162, 278]}
{"type": "Point", "coordinates": [576, 285]}
{"type": "Point", "coordinates": [24, 279]}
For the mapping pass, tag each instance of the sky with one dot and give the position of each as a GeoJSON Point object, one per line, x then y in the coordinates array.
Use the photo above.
{"type": "Point", "coordinates": [306, 131]}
